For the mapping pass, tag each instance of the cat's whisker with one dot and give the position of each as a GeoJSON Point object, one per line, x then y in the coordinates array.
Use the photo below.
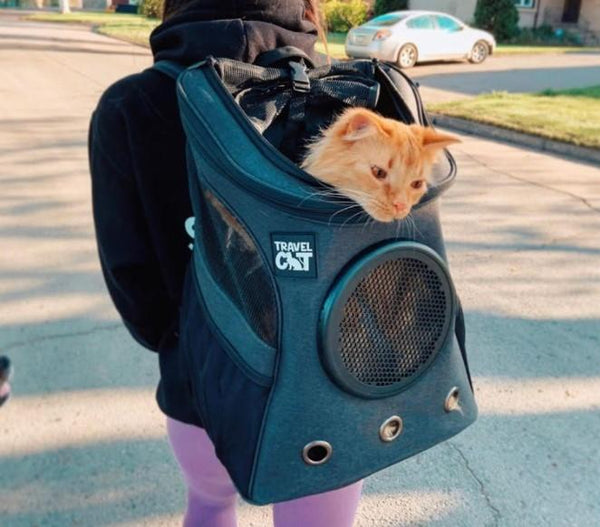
{"type": "Point", "coordinates": [398, 229]}
{"type": "Point", "coordinates": [415, 228]}
{"type": "Point", "coordinates": [365, 225]}
{"type": "Point", "coordinates": [351, 206]}
{"type": "Point", "coordinates": [352, 192]}
{"type": "Point", "coordinates": [350, 218]}
{"type": "Point", "coordinates": [324, 190]}
{"type": "Point", "coordinates": [409, 224]}
{"type": "Point", "coordinates": [351, 195]}
{"type": "Point", "coordinates": [359, 194]}
{"type": "Point", "coordinates": [340, 198]}
{"type": "Point", "coordinates": [342, 210]}
{"type": "Point", "coordinates": [370, 222]}
{"type": "Point", "coordinates": [353, 216]}
{"type": "Point", "coordinates": [404, 225]}
{"type": "Point", "coordinates": [324, 193]}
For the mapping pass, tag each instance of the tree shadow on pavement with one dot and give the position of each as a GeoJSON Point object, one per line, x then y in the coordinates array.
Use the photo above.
{"type": "Point", "coordinates": [98, 484]}
{"type": "Point", "coordinates": [537, 384]}
{"type": "Point", "coordinates": [82, 442]}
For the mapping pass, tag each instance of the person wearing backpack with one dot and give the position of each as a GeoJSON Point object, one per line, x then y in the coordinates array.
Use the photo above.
{"type": "Point", "coordinates": [144, 227]}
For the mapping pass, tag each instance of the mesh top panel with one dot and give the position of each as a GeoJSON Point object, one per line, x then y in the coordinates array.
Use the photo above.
{"type": "Point", "coordinates": [392, 322]}
{"type": "Point", "coordinates": [237, 266]}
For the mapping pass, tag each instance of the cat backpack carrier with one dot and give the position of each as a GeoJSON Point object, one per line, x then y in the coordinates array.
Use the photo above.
{"type": "Point", "coordinates": [322, 347]}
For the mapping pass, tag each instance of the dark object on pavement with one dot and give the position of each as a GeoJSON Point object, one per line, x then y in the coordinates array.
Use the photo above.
{"type": "Point", "coordinates": [125, 8]}
{"type": "Point", "coordinates": [5, 371]}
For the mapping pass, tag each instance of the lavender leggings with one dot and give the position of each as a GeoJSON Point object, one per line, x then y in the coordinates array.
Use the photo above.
{"type": "Point", "coordinates": [211, 495]}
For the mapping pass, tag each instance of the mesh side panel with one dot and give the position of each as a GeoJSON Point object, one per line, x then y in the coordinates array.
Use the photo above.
{"type": "Point", "coordinates": [392, 322]}
{"type": "Point", "coordinates": [237, 266]}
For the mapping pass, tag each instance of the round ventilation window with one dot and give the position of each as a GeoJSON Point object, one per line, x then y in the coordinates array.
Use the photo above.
{"type": "Point", "coordinates": [386, 318]}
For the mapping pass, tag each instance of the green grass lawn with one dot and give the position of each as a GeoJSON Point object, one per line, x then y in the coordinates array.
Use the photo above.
{"type": "Point", "coordinates": [137, 28]}
{"type": "Point", "coordinates": [335, 44]}
{"type": "Point", "coordinates": [570, 115]}
{"type": "Point", "coordinates": [510, 49]}
{"type": "Point", "coordinates": [132, 28]}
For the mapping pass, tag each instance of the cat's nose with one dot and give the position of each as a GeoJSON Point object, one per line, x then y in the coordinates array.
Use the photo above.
{"type": "Point", "coordinates": [399, 206]}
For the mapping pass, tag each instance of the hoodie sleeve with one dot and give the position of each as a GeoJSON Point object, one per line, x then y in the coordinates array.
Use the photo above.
{"type": "Point", "coordinates": [129, 263]}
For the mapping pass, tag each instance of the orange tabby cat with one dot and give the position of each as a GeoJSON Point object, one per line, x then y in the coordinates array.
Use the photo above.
{"type": "Point", "coordinates": [380, 163]}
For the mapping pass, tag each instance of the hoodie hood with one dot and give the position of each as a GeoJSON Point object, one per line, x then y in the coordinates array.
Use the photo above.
{"type": "Point", "coordinates": [235, 29]}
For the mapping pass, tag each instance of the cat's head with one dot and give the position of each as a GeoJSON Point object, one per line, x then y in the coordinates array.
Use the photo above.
{"type": "Point", "coordinates": [380, 163]}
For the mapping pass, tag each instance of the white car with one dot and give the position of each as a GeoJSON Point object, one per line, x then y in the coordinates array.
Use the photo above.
{"type": "Point", "coordinates": [408, 37]}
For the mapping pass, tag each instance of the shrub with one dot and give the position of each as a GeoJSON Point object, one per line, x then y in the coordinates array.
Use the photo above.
{"type": "Point", "coordinates": [151, 8]}
{"type": "Point", "coordinates": [543, 32]}
{"type": "Point", "coordinates": [342, 15]}
{"type": "Point", "coordinates": [385, 6]}
{"type": "Point", "coordinates": [545, 36]}
{"type": "Point", "coordinates": [498, 16]}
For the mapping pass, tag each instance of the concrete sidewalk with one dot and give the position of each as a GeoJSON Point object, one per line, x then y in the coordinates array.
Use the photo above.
{"type": "Point", "coordinates": [82, 442]}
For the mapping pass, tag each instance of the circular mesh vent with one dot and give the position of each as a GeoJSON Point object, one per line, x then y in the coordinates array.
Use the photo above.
{"type": "Point", "coordinates": [388, 321]}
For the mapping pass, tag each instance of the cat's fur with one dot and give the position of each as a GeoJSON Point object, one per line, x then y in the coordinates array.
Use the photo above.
{"type": "Point", "coordinates": [380, 163]}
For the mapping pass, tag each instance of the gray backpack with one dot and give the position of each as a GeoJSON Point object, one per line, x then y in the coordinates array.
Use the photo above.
{"type": "Point", "coordinates": [323, 349]}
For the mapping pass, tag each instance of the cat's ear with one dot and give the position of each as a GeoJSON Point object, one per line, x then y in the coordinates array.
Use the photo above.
{"type": "Point", "coordinates": [434, 141]}
{"type": "Point", "coordinates": [358, 123]}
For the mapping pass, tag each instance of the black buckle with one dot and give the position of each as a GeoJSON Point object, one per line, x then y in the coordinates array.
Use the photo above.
{"type": "Point", "coordinates": [300, 80]}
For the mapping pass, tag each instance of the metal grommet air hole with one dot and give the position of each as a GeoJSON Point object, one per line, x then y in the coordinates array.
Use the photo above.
{"type": "Point", "coordinates": [390, 429]}
{"type": "Point", "coordinates": [317, 452]}
{"type": "Point", "coordinates": [452, 400]}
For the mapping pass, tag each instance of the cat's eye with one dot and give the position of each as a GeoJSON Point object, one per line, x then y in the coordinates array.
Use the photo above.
{"type": "Point", "coordinates": [417, 184]}
{"type": "Point", "coordinates": [378, 172]}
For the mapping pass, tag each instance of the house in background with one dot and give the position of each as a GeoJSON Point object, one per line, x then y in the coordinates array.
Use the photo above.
{"type": "Point", "coordinates": [578, 16]}
{"type": "Point", "coordinates": [463, 9]}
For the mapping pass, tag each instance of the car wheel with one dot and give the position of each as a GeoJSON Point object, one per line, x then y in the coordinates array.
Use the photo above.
{"type": "Point", "coordinates": [407, 56]}
{"type": "Point", "coordinates": [479, 52]}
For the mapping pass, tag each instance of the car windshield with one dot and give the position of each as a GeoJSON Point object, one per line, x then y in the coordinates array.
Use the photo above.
{"type": "Point", "coordinates": [386, 20]}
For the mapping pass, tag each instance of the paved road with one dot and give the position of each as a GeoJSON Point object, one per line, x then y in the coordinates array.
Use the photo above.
{"type": "Point", "coordinates": [515, 73]}
{"type": "Point", "coordinates": [82, 443]}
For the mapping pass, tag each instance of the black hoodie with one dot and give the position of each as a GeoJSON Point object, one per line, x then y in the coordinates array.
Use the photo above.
{"type": "Point", "coordinates": [139, 182]}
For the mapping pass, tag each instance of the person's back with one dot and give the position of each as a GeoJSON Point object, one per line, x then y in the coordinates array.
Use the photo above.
{"type": "Point", "coordinates": [143, 226]}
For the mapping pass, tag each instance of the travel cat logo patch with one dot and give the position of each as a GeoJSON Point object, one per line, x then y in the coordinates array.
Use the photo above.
{"type": "Point", "coordinates": [294, 255]}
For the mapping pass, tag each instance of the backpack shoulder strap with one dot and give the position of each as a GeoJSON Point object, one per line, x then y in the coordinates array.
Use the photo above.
{"type": "Point", "coordinates": [169, 68]}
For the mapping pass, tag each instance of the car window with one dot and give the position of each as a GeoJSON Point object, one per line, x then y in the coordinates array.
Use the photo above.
{"type": "Point", "coordinates": [421, 22]}
{"type": "Point", "coordinates": [386, 20]}
{"type": "Point", "coordinates": [447, 24]}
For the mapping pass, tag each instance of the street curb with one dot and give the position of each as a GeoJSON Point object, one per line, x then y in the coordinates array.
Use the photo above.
{"type": "Point", "coordinates": [580, 153]}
